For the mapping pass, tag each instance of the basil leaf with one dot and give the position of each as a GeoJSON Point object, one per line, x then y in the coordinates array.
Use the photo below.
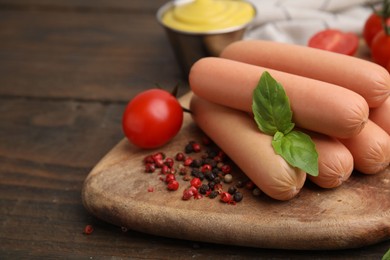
{"type": "Point", "coordinates": [298, 150]}
{"type": "Point", "coordinates": [271, 106]}
{"type": "Point", "coordinates": [386, 256]}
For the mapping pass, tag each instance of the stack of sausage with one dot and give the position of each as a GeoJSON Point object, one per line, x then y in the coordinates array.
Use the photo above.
{"type": "Point", "coordinates": [342, 102]}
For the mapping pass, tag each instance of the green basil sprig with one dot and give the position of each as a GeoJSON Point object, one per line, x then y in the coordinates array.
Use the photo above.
{"type": "Point", "coordinates": [273, 115]}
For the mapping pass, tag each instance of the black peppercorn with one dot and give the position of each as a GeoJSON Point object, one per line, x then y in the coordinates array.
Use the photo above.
{"type": "Point", "coordinates": [203, 189]}
{"type": "Point", "coordinates": [213, 194]}
{"type": "Point", "coordinates": [211, 185]}
{"type": "Point", "coordinates": [238, 196]}
{"type": "Point", "coordinates": [188, 148]}
{"type": "Point", "coordinates": [232, 190]}
{"type": "Point", "coordinates": [196, 163]}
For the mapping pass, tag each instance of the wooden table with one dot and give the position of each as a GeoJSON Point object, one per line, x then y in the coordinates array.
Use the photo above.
{"type": "Point", "coordinates": [67, 70]}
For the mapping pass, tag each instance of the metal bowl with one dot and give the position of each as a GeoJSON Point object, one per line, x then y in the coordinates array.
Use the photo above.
{"type": "Point", "coordinates": [191, 46]}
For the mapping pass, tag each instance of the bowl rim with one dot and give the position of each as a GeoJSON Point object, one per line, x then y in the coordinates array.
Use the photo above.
{"type": "Point", "coordinates": [165, 7]}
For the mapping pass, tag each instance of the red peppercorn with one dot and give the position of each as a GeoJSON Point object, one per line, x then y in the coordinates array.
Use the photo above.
{"type": "Point", "coordinates": [226, 169]}
{"type": "Point", "coordinates": [218, 187]}
{"type": "Point", "coordinates": [169, 177]}
{"type": "Point", "coordinates": [190, 192]}
{"type": "Point", "coordinates": [158, 156]}
{"type": "Point", "coordinates": [88, 229]}
{"type": "Point", "coordinates": [148, 159]}
{"type": "Point", "coordinates": [173, 185]}
{"type": "Point", "coordinates": [180, 157]}
{"type": "Point", "coordinates": [206, 168]}
{"type": "Point", "coordinates": [196, 182]}
{"type": "Point", "coordinates": [196, 147]}
{"type": "Point", "coordinates": [226, 197]}
{"type": "Point", "coordinates": [159, 163]}
{"type": "Point", "coordinates": [169, 162]}
{"type": "Point", "coordinates": [165, 169]}
{"type": "Point", "coordinates": [150, 167]}
{"type": "Point", "coordinates": [250, 185]}
{"type": "Point", "coordinates": [188, 161]}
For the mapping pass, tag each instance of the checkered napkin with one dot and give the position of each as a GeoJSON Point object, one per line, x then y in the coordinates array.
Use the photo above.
{"type": "Point", "coordinates": [295, 21]}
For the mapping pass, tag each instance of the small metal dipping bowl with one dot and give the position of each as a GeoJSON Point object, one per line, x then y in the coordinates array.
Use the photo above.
{"type": "Point", "coordinates": [191, 46]}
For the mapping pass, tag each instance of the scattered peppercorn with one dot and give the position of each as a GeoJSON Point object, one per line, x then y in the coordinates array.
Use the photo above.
{"type": "Point", "coordinates": [213, 194]}
{"type": "Point", "coordinates": [196, 182]}
{"type": "Point", "coordinates": [206, 173]}
{"type": "Point", "coordinates": [237, 196]}
{"type": "Point", "coordinates": [180, 157]}
{"type": "Point", "coordinates": [173, 185]}
{"type": "Point", "coordinates": [88, 229]}
{"type": "Point", "coordinates": [232, 190]}
{"type": "Point", "coordinates": [204, 188]}
{"type": "Point", "coordinates": [256, 192]}
{"type": "Point", "coordinates": [228, 178]}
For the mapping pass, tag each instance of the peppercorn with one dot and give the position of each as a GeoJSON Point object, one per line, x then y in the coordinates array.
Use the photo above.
{"type": "Point", "coordinates": [238, 196]}
{"type": "Point", "coordinates": [217, 180]}
{"type": "Point", "coordinates": [196, 182]}
{"type": "Point", "coordinates": [173, 185]}
{"type": "Point", "coordinates": [150, 167]}
{"type": "Point", "coordinates": [188, 161]}
{"type": "Point", "coordinates": [211, 185]}
{"type": "Point", "coordinates": [226, 169]}
{"type": "Point", "coordinates": [210, 176]}
{"type": "Point", "coordinates": [169, 162]}
{"type": "Point", "coordinates": [196, 147]}
{"type": "Point", "coordinates": [250, 185]}
{"type": "Point", "coordinates": [228, 178]}
{"type": "Point", "coordinates": [256, 192]}
{"type": "Point", "coordinates": [196, 163]}
{"type": "Point", "coordinates": [165, 169]}
{"type": "Point", "coordinates": [240, 184]}
{"type": "Point", "coordinates": [226, 197]}
{"type": "Point", "coordinates": [206, 167]}
{"type": "Point", "coordinates": [203, 189]}
{"type": "Point", "coordinates": [180, 157]}
{"type": "Point", "coordinates": [232, 190]}
{"type": "Point", "coordinates": [188, 148]}
{"type": "Point", "coordinates": [169, 177]}
{"type": "Point", "coordinates": [213, 194]}
{"type": "Point", "coordinates": [148, 159]}
{"type": "Point", "coordinates": [88, 229]}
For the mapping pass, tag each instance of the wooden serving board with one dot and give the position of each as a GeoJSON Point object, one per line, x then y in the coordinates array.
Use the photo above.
{"type": "Point", "coordinates": [353, 215]}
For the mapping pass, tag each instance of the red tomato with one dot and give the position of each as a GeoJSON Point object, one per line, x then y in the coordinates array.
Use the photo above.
{"type": "Point", "coordinates": [335, 41]}
{"type": "Point", "coordinates": [152, 118]}
{"type": "Point", "coordinates": [380, 48]}
{"type": "Point", "coordinates": [372, 26]}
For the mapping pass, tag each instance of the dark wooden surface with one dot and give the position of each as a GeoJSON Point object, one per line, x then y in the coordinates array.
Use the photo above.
{"type": "Point", "coordinates": [67, 70]}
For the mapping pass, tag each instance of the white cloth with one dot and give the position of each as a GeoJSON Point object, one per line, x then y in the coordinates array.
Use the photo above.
{"type": "Point", "coordinates": [295, 21]}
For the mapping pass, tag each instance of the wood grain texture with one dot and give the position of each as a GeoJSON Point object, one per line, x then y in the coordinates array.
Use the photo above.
{"type": "Point", "coordinates": [353, 215]}
{"type": "Point", "coordinates": [64, 81]}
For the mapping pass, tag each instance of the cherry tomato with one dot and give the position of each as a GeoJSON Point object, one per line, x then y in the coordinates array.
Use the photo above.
{"type": "Point", "coordinates": [152, 118]}
{"type": "Point", "coordinates": [372, 26]}
{"type": "Point", "coordinates": [335, 41]}
{"type": "Point", "coordinates": [380, 49]}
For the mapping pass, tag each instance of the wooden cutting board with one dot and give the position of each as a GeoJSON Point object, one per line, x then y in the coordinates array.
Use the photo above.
{"type": "Point", "coordinates": [356, 214]}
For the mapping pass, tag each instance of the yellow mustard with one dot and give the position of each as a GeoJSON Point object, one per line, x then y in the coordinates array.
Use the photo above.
{"type": "Point", "coordinates": [208, 15]}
